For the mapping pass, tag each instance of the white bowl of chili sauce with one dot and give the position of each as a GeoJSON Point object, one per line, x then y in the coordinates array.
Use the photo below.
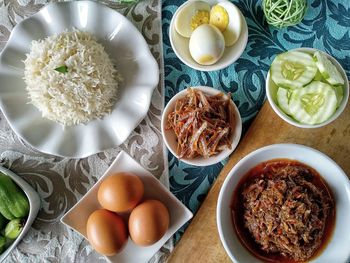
{"type": "Point", "coordinates": [233, 212]}
{"type": "Point", "coordinates": [233, 123]}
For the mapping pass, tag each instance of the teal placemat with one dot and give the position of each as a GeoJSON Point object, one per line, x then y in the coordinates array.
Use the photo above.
{"type": "Point", "coordinates": [326, 26]}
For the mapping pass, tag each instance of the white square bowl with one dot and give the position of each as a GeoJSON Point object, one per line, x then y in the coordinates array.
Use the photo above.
{"type": "Point", "coordinates": [78, 215]}
{"type": "Point", "coordinates": [34, 206]}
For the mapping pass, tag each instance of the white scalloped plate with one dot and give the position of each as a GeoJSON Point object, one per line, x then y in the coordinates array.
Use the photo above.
{"type": "Point", "coordinates": [125, 46]}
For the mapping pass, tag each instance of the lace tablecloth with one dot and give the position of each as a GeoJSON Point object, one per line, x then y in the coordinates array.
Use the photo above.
{"type": "Point", "coordinates": [61, 182]}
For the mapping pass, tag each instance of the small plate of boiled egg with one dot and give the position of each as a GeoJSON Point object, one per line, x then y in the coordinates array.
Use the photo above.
{"type": "Point", "coordinates": [208, 35]}
{"type": "Point", "coordinates": [128, 215]}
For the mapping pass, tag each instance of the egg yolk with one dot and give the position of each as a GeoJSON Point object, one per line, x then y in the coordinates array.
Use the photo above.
{"type": "Point", "coordinates": [219, 17]}
{"type": "Point", "coordinates": [201, 17]}
{"type": "Point", "coordinates": [205, 59]}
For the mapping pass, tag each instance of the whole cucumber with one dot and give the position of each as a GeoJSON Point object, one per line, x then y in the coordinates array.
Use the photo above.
{"type": "Point", "coordinates": [13, 202]}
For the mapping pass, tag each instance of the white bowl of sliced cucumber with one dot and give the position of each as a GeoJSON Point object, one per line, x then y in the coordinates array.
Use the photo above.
{"type": "Point", "coordinates": [307, 87]}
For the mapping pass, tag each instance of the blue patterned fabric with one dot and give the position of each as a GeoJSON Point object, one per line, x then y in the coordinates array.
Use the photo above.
{"type": "Point", "coordinates": [326, 26]}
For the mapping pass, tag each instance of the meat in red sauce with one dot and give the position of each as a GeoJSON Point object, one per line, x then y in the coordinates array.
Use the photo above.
{"type": "Point", "coordinates": [282, 211]}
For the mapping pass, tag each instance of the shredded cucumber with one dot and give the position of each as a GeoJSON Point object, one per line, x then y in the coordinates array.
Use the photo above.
{"type": "Point", "coordinates": [327, 69]}
{"type": "Point", "coordinates": [293, 69]}
{"type": "Point", "coordinates": [313, 104]}
{"type": "Point", "coordinates": [283, 97]}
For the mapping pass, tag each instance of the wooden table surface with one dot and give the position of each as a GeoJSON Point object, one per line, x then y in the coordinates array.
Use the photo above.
{"type": "Point", "coordinates": [201, 242]}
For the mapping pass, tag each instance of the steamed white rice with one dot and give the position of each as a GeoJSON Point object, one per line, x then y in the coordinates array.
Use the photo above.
{"type": "Point", "coordinates": [87, 90]}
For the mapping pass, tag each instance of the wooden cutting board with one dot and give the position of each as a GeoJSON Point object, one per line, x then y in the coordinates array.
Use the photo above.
{"type": "Point", "coordinates": [201, 242]}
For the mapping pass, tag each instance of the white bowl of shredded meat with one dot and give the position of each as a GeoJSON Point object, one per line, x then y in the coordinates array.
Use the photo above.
{"type": "Point", "coordinates": [285, 203]}
{"type": "Point", "coordinates": [201, 126]}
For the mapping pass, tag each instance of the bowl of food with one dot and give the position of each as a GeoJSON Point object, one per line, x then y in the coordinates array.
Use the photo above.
{"type": "Point", "coordinates": [19, 206]}
{"type": "Point", "coordinates": [72, 85]}
{"type": "Point", "coordinates": [201, 125]}
{"type": "Point", "coordinates": [128, 215]}
{"type": "Point", "coordinates": [307, 87]}
{"type": "Point", "coordinates": [208, 35]}
{"type": "Point", "coordinates": [285, 203]}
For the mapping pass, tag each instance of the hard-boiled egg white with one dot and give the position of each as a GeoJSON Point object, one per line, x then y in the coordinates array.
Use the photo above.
{"type": "Point", "coordinates": [207, 44]}
{"type": "Point", "coordinates": [227, 18]}
{"type": "Point", "coordinates": [192, 15]}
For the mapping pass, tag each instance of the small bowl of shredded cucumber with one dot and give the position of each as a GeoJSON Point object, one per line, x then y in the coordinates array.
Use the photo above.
{"type": "Point", "coordinates": [307, 87]}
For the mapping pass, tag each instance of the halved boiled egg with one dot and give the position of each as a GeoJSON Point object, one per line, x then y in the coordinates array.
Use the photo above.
{"type": "Point", "coordinates": [192, 15]}
{"type": "Point", "coordinates": [227, 18]}
{"type": "Point", "coordinates": [207, 44]}
{"type": "Point", "coordinates": [219, 17]}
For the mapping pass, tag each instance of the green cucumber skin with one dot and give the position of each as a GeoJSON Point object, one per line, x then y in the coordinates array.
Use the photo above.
{"type": "Point", "coordinates": [14, 228]}
{"type": "Point", "coordinates": [319, 77]}
{"type": "Point", "coordinates": [328, 70]}
{"type": "Point", "coordinates": [3, 222]}
{"type": "Point", "coordinates": [339, 92]}
{"type": "Point", "coordinates": [13, 202]}
{"type": "Point", "coordinates": [2, 243]}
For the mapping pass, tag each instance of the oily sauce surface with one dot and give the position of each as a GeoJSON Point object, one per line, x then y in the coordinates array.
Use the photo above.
{"type": "Point", "coordinates": [237, 208]}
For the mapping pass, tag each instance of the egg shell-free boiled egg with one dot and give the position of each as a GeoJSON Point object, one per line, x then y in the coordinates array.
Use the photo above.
{"type": "Point", "coordinates": [206, 44]}
{"type": "Point", "coordinates": [192, 15]}
{"type": "Point", "coordinates": [234, 27]}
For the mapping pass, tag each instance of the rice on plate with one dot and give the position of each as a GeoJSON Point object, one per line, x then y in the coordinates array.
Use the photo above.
{"type": "Point", "coordinates": [70, 78]}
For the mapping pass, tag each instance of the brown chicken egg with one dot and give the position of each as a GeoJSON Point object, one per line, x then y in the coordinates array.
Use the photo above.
{"type": "Point", "coordinates": [120, 192]}
{"type": "Point", "coordinates": [148, 222]}
{"type": "Point", "coordinates": [106, 232]}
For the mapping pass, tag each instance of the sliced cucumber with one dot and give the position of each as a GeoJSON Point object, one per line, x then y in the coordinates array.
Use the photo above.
{"type": "Point", "coordinates": [314, 103]}
{"type": "Point", "coordinates": [283, 97]}
{"type": "Point", "coordinates": [293, 69]}
{"type": "Point", "coordinates": [327, 69]}
{"type": "Point", "coordinates": [339, 92]}
{"type": "Point", "coordinates": [319, 77]}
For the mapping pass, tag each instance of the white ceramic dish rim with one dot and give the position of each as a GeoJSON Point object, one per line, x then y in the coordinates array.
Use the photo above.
{"type": "Point", "coordinates": [250, 156]}
{"type": "Point", "coordinates": [152, 65]}
{"type": "Point", "coordinates": [122, 155]}
{"type": "Point", "coordinates": [217, 66]}
{"type": "Point", "coordinates": [201, 161]}
{"type": "Point", "coordinates": [34, 204]}
{"type": "Point", "coordinates": [293, 122]}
